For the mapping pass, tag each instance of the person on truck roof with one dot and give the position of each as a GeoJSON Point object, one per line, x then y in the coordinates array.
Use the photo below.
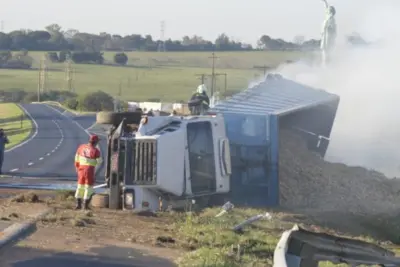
{"type": "Point", "coordinates": [199, 102]}
{"type": "Point", "coordinates": [86, 160]}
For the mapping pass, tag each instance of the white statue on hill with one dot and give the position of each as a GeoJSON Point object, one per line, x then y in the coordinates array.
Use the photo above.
{"type": "Point", "coordinates": [328, 36]}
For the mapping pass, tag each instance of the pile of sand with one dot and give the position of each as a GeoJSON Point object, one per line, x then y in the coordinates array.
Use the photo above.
{"type": "Point", "coordinates": [309, 182]}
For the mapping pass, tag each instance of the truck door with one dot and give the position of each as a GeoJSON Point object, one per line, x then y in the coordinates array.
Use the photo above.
{"type": "Point", "coordinates": [201, 157]}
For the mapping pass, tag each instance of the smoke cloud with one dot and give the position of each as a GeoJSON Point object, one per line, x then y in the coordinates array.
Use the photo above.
{"type": "Point", "coordinates": [367, 127]}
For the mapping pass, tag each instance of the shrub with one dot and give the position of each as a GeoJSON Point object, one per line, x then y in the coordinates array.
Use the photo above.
{"type": "Point", "coordinates": [52, 56]}
{"type": "Point", "coordinates": [72, 103]}
{"type": "Point", "coordinates": [121, 58]}
{"type": "Point", "coordinates": [63, 55]}
{"type": "Point", "coordinates": [87, 57]}
{"type": "Point", "coordinates": [96, 101]}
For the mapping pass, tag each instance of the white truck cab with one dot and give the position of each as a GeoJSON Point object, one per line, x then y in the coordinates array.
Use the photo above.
{"type": "Point", "coordinates": [172, 158]}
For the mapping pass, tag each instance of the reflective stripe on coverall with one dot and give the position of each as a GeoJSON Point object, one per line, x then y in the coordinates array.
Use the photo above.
{"type": "Point", "coordinates": [85, 163]}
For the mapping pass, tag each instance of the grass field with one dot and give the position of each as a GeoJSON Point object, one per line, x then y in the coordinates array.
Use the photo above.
{"type": "Point", "coordinates": [15, 123]}
{"type": "Point", "coordinates": [169, 76]}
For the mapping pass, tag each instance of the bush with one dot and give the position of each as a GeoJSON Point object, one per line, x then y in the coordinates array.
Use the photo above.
{"type": "Point", "coordinates": [72, 103]}
{"type": "Point", "coordinates": [87, 57]}
{"type": "Point", "coordinates": [121, 58]}
{"type": "Point", "coordinates": [52, 56]}
{"type": "Point", "coordinates": [30, 97]}
{"type": "Point", "coordinates": [23, 52]}
{"type": "Point", "coordinates": [12, 95]}
{"type": "Point", "coordinates": [97, 101]}
{"type": "Point", "coordinates": [63, 56]}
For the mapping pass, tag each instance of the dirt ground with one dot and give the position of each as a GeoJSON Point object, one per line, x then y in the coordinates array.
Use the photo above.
{"type": "Point", "coordinates": [66, 230]}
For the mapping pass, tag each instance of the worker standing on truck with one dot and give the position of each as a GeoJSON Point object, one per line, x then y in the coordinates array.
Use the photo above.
{"type": "Point", "coordinates": [199, 102]}
{"type": "Point", "coordinates": [3, 142]}
{"type": "Point", "coordinates": [328, 36]}
{"type": "Point", "coordinates": [86, 159]}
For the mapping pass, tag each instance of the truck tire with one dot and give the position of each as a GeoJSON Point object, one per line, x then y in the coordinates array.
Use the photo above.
{"type": "Point", "coordinates": [100, 201]}
{"type": "Point", "coordinates": [115, 118]}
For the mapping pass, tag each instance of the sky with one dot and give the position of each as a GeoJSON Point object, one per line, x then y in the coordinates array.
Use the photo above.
{"type": "Point", "coordinates": [243, 20]}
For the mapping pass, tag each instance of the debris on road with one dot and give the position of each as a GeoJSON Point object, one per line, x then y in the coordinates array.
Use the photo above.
{"type": "Point", "coordinates": [239, 227]}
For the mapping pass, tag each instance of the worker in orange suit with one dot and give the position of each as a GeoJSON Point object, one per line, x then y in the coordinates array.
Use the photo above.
{"type": "Point", "coordinates": [86, 159]}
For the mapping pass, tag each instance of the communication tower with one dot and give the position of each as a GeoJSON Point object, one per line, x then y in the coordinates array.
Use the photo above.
{"type": "Point", "coordinates": [161, 45]}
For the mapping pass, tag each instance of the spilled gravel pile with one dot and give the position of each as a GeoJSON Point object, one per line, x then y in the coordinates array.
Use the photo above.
{"type": "Point", "coordinates": [309, 182]}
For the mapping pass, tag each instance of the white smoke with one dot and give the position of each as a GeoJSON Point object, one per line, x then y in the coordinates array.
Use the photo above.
{"type": "Point", "coordinates": [367, 127]}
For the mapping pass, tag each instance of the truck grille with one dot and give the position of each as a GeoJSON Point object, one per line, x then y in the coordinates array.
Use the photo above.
{"type": "Point", "coordinates": [144, 170]}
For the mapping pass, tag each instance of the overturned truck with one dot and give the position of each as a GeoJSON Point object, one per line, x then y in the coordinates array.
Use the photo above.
{"type": "Point", "coordinates": [231, 153]}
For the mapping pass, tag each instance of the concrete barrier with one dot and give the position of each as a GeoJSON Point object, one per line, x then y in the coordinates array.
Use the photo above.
{"type": "Point", "coordinates": [19, 231]}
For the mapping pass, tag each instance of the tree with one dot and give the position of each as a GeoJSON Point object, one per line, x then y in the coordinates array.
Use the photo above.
{"type": "Point", "coordinates": [54, 38]}
{"type": "Point", "coordinates": [121, 58]}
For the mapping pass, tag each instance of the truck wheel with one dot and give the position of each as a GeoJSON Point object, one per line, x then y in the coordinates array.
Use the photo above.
{"type": "Point", "coordinates": [115, 118]}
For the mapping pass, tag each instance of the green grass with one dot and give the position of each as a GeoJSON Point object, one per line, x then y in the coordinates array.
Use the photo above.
{"type": "Point", "coordinates": [167, 76]}
{"type": "Point", "coordinates": [211, 242]}
{"type": "Point", "coordinates": [10, 120]}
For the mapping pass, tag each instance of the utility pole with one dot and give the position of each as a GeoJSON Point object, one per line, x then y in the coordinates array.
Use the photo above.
{"type": "Point", "coordinates": [69, 76]}
{"type": "Point", "coordinates": [213, 72]}
{"type": "Point", "coordinates": [43, 76]}
{"type": "Point", "coordinates": [202, 77]}
{"type": "Point", "coordinates": [264, 68]}
{"type": "Point", "coordinates": [161, 45]}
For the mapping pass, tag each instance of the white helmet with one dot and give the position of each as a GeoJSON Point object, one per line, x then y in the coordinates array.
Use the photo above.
{"type": "Point", "coordinates": [201, 89]}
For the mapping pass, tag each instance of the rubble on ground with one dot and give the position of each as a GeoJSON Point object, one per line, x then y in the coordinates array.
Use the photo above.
{"type": "Point", "coordinates": [309, 182]}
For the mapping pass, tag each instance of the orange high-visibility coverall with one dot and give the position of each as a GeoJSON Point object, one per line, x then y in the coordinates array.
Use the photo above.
{"type": "Point", "coordinates": [86, 159]}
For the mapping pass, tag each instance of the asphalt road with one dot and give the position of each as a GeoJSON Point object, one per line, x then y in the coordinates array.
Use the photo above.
{"type": "Point", "coordinates": [97, 257]}
{"type": "Point", "coordinates": [50, 150]}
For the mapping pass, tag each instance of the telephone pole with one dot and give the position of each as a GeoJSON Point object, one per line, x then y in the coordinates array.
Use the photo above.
{"type": "Point", "coordinates": [264, 68]}
{"type": "Point", "coordinates": [202, 77]}
{"type": "Point", "coordinates": [213, 73]}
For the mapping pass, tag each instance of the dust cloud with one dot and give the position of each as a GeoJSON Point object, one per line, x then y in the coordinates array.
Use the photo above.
{"type": "Point", "coordinates": [367, 127]}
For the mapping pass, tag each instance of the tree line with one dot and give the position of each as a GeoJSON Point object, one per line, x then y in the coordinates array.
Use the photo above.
{"type": "Point", "coordinates": [54, 38]}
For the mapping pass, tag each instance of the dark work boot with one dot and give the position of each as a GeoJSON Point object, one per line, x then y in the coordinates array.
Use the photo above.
{"type": "Point", "coordinates": [86, 204]}
{"type": "Point", "coordinates": [78, 204]}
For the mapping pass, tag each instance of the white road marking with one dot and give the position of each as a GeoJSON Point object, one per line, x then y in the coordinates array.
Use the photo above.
{"type": "Point", "coordinates": [33, 135]}
{"type": "Point", "coordinates": [41, 158]}
{"type": "Point", "coordinates": [14, 170]}
{"type": "Point", "coordinates": [48, 154]}
{"type": "Point", "coordinates": [62, 136]}
{"type": "Point", "coordinates": [77, 124]}
{"type": "Point", "coordinates": [30, 163]}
